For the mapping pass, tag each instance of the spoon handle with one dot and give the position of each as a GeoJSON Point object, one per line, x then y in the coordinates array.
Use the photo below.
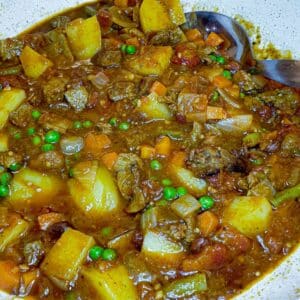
{"type": "Point", "coordinates": [283, 71]}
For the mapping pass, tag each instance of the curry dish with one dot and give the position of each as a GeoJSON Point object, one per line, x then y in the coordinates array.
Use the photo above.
{"type": "Point", "coordinates": [139, 161]}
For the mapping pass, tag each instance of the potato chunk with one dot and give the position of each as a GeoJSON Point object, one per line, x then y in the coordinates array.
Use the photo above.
{"type": "Point", "coordinates": [151, 108]}
{"type": "Point", "coordinates": [248, 214]}
{"type": "Point", "coordinates": [65, 258]}
{"type": "Point", "coordinates": [3, 142]}
{"type": "Point", "coordinates": [162, 250]}
{"type": "Point", "coordinates": [10, 99]}
{"type": "Point", "coordinates": [112, 284]}
{"type": "Point", "coordinates": [84, 37]}
{"type": "Point", "coordinates": [156, 15]}
{"type": "Point", "coordinates": [34, 64]}
{"type": "Point", "coordinates": [33, 188]}
{"type": "Point", "coordinates": [153, 60]}
{"type": "Point", "coordinates": [94, 191]}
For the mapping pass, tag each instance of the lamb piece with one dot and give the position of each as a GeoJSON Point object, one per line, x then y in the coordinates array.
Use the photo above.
{"type": "Point", "coordinates": [21, 116]}
{"type": "Point", "coordinates": [111, 58]}
{"type": "Point", "coordinates": [10, 48]}
{"type": "Point", "coordinates": [210, 160]}
{"type": "Point", "coordinates": [77, 97]}
{"type": "Point", "coordinates": [55, 122]}
{"type": "Point", "coordinates": [247, 83]}
{"type": "Point", "coordinates": [54, 89]}
{"type": "Point", "coordinates": [33, 253]}
{"type": "Point", "coordinates": [167, 37]}
{"type": "Point", "coordinates": [122, 90]}
{"type": "Point", "coordinates": [48, 160]}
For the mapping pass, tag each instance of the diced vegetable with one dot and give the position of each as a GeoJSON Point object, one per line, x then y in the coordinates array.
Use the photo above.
{"type": "Point", "coordinates": [47, 220]}
{"type": "Point", "coordinates": [34, 64]}
{"type": "Point", "coordinates": [96, 143]}
{"type": "Point", "coordinates": [248, 214]}
{"type": "Point", "coordinates": [152, 60]}
{"type": "Point", "coordinates": [215, 113]}
{"type": "Point", "coordinates": [161, 250]}
{"type": "Point", "coordinates": [185, 206]}
{"type": "Point", "coordinates": [84, 37]}
{"type": "Point", "coordinates": [286, 195]}
{"type": "Point", "coordinates": [236, 125]}
{"type": "Point", "coordinates": [178, 158]}
{"type": "Point", "coordinates": [13, 232]}
{"type": "Point", "coordinates": [10, 99]}
{"type": "Point", "coordinates": [193, 34]}
{"type": "Point", "coordinates": [147, 152]}
{"type": "Point", "coordinates": [252, 139]}
{"type": "Point", "coordinates": [214, 39]}
{"type": "Point", "coordinates": [109, 159]}
{"type": "Point", "coordinates": [32, 188]}
{"type": "Point", "coordinates": [120, 18]}
{"type": "Point", "coordinates": [195, 186]}
{"type": "Point", "coordinates": [186, 286]}
{"type": "Point", "coordinates": [10, 276]}
{"type": "Point", "coordinates": [176, 12]}
{"type": "Point", "coordinates": [3, 142]}
{"type": "Point", "coordinates": [77, 97]}
{"type": "Point", "coordinates": [94, 191]}
{"type": "Point", "coordinates": [65, 258]}
{"type": "Point", "coordinates": [207, 223]}
{"type": "Point", "coordinates": [158, 88]}
{"type": "Point", "coordinates": [112, 284]}
{"type": "Point", "coordinates": [153, 109]}
{"type": "Point", "coordinates": [222, 82]}
{"type": "Point", "coordinates": [163, 146]}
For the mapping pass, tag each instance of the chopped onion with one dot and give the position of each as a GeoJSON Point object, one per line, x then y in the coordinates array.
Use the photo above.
{"type": "Point", "coordinates": [185, 206]}
{"type": "Point", "coordinates": [236, 124]}
{"type": "Point", "coordinates": [71, 145]}
{"type": "Point", "coordinates": [99, 80]}
{"type": "Point", "coordinates": [228, 99]}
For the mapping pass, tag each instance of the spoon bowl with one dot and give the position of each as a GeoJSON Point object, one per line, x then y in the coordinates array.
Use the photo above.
{"type": "Point", "coordinates": [284, 71]}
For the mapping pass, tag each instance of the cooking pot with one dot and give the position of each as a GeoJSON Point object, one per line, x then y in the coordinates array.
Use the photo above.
{"type": "Point", "coordinates": [278, 22]}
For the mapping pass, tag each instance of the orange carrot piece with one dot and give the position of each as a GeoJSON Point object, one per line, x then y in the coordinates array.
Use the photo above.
{"type": "Point", "coordinates": [215, 113]}
{"type": "Point", "coordinates": [95, 143]}
{"type": "Point", "coordinates": [214, 40]}
{"type": "Point", "coordinates": [147, 152]}
{"type": "Point", "coordinates": [178, 158]}
{"type": "Point", "coordinates": [121, 3]}
{"type": "Point", "coordinates": [207, 223]}
{"type": "Point", "coordinates": [193, 34]}
{"type": "Point", "coordinates": [163, 146]}
{"type": "Point", "coordinates": [133, 41]}
{"type": "Point", "coordinates": [29, 278]}
{"type": "Point", "coordinates": [10, 276]}
{"type": "Point", "coordinates": [222, 82]}
{"type": "Point", "coordinates": [46, 220]}
{"type": "Point", "coordinates": [109, 159]}
{"type": "Point", "coordinates": [158, 88]}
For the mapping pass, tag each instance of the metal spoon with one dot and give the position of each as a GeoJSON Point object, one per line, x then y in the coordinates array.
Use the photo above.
{"type": "Point", "coordinates": [285, 71]}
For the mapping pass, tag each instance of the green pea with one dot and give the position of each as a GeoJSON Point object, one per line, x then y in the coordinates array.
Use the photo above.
{"type": "Point", "coordinates": [47, 147]}
{"type": "Point", "coordinates": [130, 49]}
{"type": "Point", "coordinates": [17, 135]}
{"type": "Point", "coordinates": [206, 202]}
{"type": "Point", "coordinates": [155, 165]}
{"type": "Point", "coordinates": [109, 254]}
{"type": "Point", "coordinates": [215, 96]}
{"type": "Point", "coordinates": [35, 114]}
{"type": "Point", "coordinates": [221, 60]}
{"type": "Point", "coordinates": [15, 166]}
{"type": "Point", "coordinates": [227, 74]}
{"type": "Point", "coordinates": [77, 125]}
{"type": "Point", "coordinates": [52, 137]}
{"type": "Point", "coordinates": [36, 140]}
{"type": "Point", "coordinates": [242, 95]}
{"type": "Point", "coordinates": [169, 193]}
{"type": "Point", "coordinates": [181, 191]}
{"type": "Point", "coordinates": [166, 182]}
{"type": "Point", "coordinates": [31, 131]}
{"type": "Point", "coordinates": [4, 190]}
{"type": "Point", "coordinates": [213, 57]}
{"type": "Point", "coordinates": [96, 252]}
{"type": "Point", "coordinates": [113, 121]}
{"type": "Point", "coordinates": [5, 178]}
{"type": "Point", "coordinates": [124, 126]}
{"type": "Point", "coordinates": [123, 47]}
{"type": "Point", "coordinates": [106, 231]}
{"type": "Point", "coordinates": [87, 123]}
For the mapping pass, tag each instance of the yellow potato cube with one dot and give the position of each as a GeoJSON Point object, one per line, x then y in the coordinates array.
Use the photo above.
{"type": "Point", "coordinates": [3, 142]}
{"type": "Point", "coordinates": [34, 64]}
{"type": "Point", "coordinates": [65, 258]}
{"type": "Point", "coordinates": [84, 37]}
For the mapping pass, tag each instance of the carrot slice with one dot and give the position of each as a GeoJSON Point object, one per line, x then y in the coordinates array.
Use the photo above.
{"type": "Point", "coordinates": [109, 159]}
{"type": "Point", "coordinates": [10, 276]}
{"type": "Point", "coordinates": [222, 82]}
{"type": "Point", "coordinates": [193, 34]}
{"type": "Point", "coordinates": [158, 88]}
{"type": "Point", "coordinates": [163, 146]}
{"type": "Point", "coordinates": [178, 158]}
{"type": "Point", "coordinates": [214, 40]}
{"type": "Point", "coordinates": [96, 143]}
{"type": "Point", "coordinates": [207, 223]}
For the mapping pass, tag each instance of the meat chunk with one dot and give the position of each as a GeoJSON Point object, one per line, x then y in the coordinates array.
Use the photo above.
{"type": "Point", "coordinates": [10, 48]}
{"type": "Point", "coordinates": [111, 58]}
{"type": "Point", "coordinates": [122, 90]}
{"type": "Point", "coordinates": [54, 89]}
{"type": "Point", "coordinates": [247, 83]}
{"type": "Point", "coordinates": [55, 122]}
{"type": "Point", "coordinates": [9, 158]}
{"type": "Point", "coordinates": [210, 160]}
{"type": "Point", "coordinates": [21, 116]}
{"type": "Point", "coordinates": [167, 37]}
{"type": "Point", "coordinates": [48, 160]}
{"type": "Point", "coordinates": [33, 253]}
{"type": "Point", "coordinates": [77, 97]}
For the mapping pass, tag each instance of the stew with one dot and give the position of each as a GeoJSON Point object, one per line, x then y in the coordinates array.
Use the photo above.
{"type": "Point", "coordinates": [139, 161]}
